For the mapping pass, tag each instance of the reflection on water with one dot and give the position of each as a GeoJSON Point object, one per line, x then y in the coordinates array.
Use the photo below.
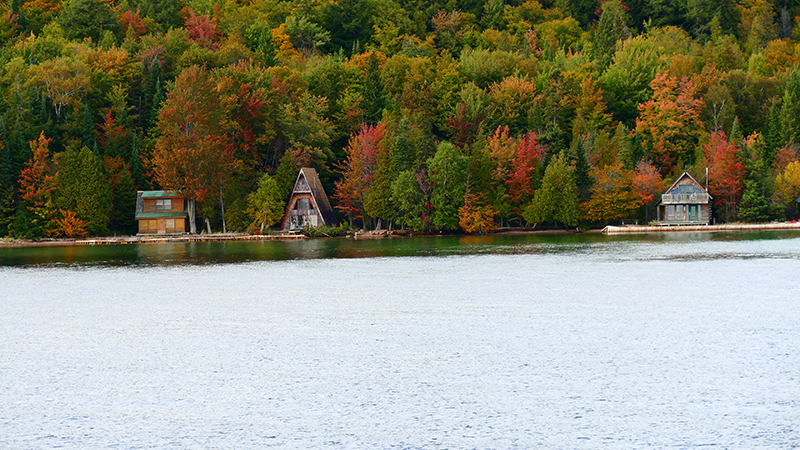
{"type": "Point", "coordinates": [681, 246]}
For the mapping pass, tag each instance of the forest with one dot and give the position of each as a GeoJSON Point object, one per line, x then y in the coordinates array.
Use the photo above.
{"type": "Point", "coordinates": [429, 115]}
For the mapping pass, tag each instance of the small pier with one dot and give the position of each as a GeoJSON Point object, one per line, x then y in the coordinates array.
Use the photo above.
{"type": "Point", "coordinates": [633, 229]}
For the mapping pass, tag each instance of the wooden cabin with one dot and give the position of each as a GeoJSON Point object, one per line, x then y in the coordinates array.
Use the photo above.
{"type": "Point", "coordinates": [308, 205]}
{"type": "Point", "coordinates": [161, 212]}
{"type": "Point", "coordinates": [686, 202]}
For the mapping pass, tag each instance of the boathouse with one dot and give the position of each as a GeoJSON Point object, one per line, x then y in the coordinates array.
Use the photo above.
{"type": "Point", "coordinates": [308, 205]}
{"type": "Point", "coordinates": [686, 202]}
{"type": "Point", "coordinates": [161, 212]}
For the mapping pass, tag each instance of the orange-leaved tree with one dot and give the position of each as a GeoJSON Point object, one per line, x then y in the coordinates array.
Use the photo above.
{"type": "Point", "coordinates": [647, 182]}
{"type": "Point", "coordinates": [613, 194]}
{"type": "Point", "coordinates": [193, 153]}
{"type": "Point", "coordinates": [476, 216]}
{"type": "Point", "coordinates": [669, 125]}
{"type": "Point", "coordinates": [36, 211]}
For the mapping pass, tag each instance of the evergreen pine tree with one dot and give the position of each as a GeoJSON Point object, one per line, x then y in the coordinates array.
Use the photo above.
{"type": "Point", "coordinates": [557, 198]}
{"type": "Point", "coordinates": [374, 97]}
{"type": "Point", "coordinates": [6, 163]}
{"type": "Point", "coordinates": [790, 111]}
{"type": "Point", "coordinates": [88, 135]}
{"type": "Point", "coordinates": [21, 20]}
{"type": "Point", "coordinates": [123, 211]}
{"type": "Point", "coordinates": [83, 188]}
{"type": "Point", "coordinates": [402, 155]}
{"type": "Point", "coordinates": [611, 28]}
{"type": "Point", "coordinates": [755, 206]}
{"type": "Point", "coordinates": [7, 208]}
{"type": "Point", "coordinates": [135, 161]}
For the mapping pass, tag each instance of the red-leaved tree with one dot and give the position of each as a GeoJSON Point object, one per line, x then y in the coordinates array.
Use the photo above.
{"type": "Point", "coordinates": [528, 155]}
{"type": "Point", "coordinates": [358, 170]}
{"type": "Point", "coordinates": [725, 172]}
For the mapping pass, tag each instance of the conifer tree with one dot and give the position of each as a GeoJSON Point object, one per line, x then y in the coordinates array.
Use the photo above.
{"type": "Point", "coordinates": [611, 28]}
{"type": "Point", "coordinates": [81, 186]}
{"type": "Point", "coordinates": [88, 135]}
{"type": "Point", "coordinates": [374, 97]}
{"type": "Point", "coordinates": [557, 199]}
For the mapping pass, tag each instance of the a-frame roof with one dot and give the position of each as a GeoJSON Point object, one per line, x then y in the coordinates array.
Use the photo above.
{"type": "Point", "coordinates": [308, 182]}
{"type": "Point", "coordinates": [687, 175]}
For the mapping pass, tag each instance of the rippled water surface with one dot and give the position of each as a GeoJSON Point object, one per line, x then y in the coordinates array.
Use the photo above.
{"type": "Point", "coordinates": [576, 341]}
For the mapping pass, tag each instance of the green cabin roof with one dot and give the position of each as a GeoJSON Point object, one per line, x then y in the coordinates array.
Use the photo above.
{"type": "Point", "coordinates": [156, 194]}
{"type": "Point", "coordinates": [161, 214]}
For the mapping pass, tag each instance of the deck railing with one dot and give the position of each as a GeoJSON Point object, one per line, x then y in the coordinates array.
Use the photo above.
{"type": "Point", "coordinates": [684, 198]}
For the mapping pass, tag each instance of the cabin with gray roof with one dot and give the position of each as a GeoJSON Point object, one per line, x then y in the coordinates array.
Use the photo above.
{"type": "Point", "coordinates": [686, 202]}
{"type": "Point", "coordinates": [161, 212]}
{"type": "Point", "coordinates": [308, 205]}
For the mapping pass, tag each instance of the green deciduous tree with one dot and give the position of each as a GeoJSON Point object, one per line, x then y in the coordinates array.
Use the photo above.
{"type": "Point", "coordinates": [448, 171]}
{"type": "Point", "coordinates": [265, 205]}
{"type": "Point", "coordinates": [411, 200]}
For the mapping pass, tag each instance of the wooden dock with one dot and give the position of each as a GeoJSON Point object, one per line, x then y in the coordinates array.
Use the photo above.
{"type": "Point", "coordinates": [152, 240]}
{"type": "Point", "coordinates": [631, 229]}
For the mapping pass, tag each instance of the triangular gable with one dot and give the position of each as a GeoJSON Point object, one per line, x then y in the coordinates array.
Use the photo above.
{"type": "Point", "coordinates": [693, 180]}
{"type": "Point", "coordinates": [301, 184]}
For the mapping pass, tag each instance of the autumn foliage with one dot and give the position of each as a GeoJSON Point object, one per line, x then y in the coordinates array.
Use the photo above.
{"type": "Point", "coordinates": [358, 169]}
{"type": "Point", "coordinates": [725, 173]}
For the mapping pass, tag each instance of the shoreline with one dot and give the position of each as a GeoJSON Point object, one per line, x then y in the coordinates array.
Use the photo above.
{"type": "Point", "coordinates": [385, 234]}
{"type": "Point", "coordinates": [150, 240]}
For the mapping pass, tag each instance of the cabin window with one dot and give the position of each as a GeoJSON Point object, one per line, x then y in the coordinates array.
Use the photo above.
{"type": "Point", "coordinates": [686, 189]}
{"type": "Point", "coordinates": [679, 213]}
{"type": "Point", "coordinates": [164, 204]}
{"type": "Point", "coordinates": [302, 203]}
{"type": "Point", "coordinates": [170, 223]}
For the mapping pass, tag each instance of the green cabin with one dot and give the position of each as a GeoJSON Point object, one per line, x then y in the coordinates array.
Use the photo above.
{"type": "Point", "coordinates": [161, 212]}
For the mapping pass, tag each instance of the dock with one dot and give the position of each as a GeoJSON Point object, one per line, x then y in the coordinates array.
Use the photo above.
{"type": "Point", "coordinates": [633, 229]}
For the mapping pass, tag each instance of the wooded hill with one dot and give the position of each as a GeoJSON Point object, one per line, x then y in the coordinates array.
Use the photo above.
{"type": "Point", "coordinates": [431, 115]}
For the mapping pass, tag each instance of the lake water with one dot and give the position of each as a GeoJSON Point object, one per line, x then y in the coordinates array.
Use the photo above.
{"type": "Point", "coordinates": [576, 341]}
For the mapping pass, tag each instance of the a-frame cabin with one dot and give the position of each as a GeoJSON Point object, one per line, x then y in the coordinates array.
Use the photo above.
{"type": "Point", "coordinates": [308, 205]}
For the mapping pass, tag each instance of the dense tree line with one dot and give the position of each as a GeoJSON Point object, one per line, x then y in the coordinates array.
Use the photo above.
{"type": "Point", "coordinates": [424, 114]}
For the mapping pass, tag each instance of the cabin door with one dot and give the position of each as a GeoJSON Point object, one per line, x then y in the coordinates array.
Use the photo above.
{"type": "Point", "coordinates": [693, 213]}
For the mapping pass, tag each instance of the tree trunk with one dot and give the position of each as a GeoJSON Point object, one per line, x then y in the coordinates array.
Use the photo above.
{"type": "Point", "coordinates": [191, 209]}
{"type": "Point", "coordinates": [208, 225]}
{"type": "Point", "coordinates": [222, 207]}
{"type": "Point", "coordinates": [378, 225]}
